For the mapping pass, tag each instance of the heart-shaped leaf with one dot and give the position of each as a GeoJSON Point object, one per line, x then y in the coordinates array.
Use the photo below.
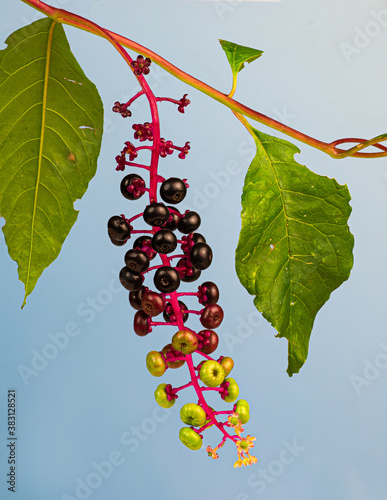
{"type": "Point", "coordinates": [238, 55]}
{"type": "Point", "coordinates": [51, 120]}
{"type": "Point", "coordinates": [295, 246]}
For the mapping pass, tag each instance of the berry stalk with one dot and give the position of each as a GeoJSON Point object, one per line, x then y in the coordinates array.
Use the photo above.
{"type": "Point", "coordinates": [196, 257]}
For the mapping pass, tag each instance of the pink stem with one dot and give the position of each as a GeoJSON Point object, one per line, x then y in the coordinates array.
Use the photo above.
{"type": "Point", "coordinates": [160, 99]}
{"type": "Point", "coordinates": [138, 165]}
{"type": "Point", "coordinates": [134, 98]}
{"type": "Point", "coordinates": [153, 268]}
{"type": "Point", "coordinates": [205, 355]}
{"type": "Point", "coordinates": [182, 387]}
{"type": "Point", "coordinates": [205, 427]}
{"type": "Point", "coordinates": [135, 217]}
{"type": "Point", "coordinates": [154, 323]}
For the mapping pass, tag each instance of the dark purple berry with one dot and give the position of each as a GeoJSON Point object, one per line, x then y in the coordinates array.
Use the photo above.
{"type": "Point", "coordinates": [201, 256]}
{"type": "Point", "coordinates": [135, 297]}
{"type": "Point", "coordinates": [144, 243]}
{"type": "Point", "coordinates": [132, 186]}
{"type": "Point", "coordinates": [208, 293]}
{"type": "Point", "coordinates": [197, 238]}
{"type": "Point", "coordinates": [189, 223]}
{"type": "Point", "coordinates": [169, 315]}
{"type": "Point", "coordinates": [173, 190]}
{"type": "Point", "coordinates": [173, 219]}
{"type": "Point", "coordinates": [137, 261]}
{"type": "Point", "coordinates": [129, 280]}
{"type": "Point", "coordinates": [166, 279]}
{"type": "Point", "coordinates": [164, 241]}
{"type": "Point", "coordinates": [116, 242]}
{"type": "Point", "coordinates": [190, 240]}
{"type": "Point", "coordinates": [187, 272]}
{"type": "Point", "coordinates": [118, 228]}
{"type": "Point", "coordinates": [156, 214]}
{"type": "Point", "coordinates": [212, 316]}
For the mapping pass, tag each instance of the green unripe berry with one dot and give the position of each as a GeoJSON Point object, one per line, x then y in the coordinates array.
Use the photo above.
{"type": "Point", "coordinates": [161, 397]}
{"type": "Point", "coordinates": [211, 373]}
{"type": "Point", "coordinates": [243, 402]}
{"type": "Point", "coordinates": [233, 390]}
{"type": "Point", "coordinates": [243, 413]}
{"type": "Point", "coordinates": [192, 414]}
{"type": "Point", "coordinates": [190, 438]}
{"type": "Point", "coordinates": [155, 363]}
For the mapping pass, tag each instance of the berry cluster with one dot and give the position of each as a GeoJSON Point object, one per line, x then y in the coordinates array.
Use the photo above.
{"type": "Point", "coordinates": [163, 221]}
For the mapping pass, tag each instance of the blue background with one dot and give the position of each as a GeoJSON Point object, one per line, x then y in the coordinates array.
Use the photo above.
{"type": "Point", "coordinates": [320, 434]}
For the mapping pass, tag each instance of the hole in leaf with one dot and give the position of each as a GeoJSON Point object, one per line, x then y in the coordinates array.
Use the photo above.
{"type": "Point", "coordinates": [73, 81]}
{"type": "Point", "coordinates": [82, 127]}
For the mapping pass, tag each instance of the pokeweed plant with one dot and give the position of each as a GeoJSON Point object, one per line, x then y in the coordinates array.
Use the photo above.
{"type": "Point", "coordinates": [294, 249]}
{"type": "Point", "coordinates": [196, 256]}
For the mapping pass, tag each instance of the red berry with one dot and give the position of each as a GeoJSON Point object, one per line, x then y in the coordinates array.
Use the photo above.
{"type": "Point", "coordinates": [152, 303]}
{"type": "Point", "coordinates": [140, 324]}
{"type": "Point", "coordinates": [212, 316]}
{"type": "Point", "coordinates": [208, 341]}
{"type": "Point", "coordinates": [170, 354]}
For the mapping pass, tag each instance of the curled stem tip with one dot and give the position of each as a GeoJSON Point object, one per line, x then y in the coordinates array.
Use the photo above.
{"type": "Point", "coordinates": [119, 41]}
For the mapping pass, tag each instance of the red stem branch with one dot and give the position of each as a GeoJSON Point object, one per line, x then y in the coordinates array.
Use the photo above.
{"type": "Point", "coordinates": [65, 17]}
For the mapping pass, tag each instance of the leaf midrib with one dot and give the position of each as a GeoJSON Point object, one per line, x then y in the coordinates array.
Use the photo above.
{"type": "Point", "coordinates": [40, 155]}
{"type": "Point", "coordinates": [286, 221]}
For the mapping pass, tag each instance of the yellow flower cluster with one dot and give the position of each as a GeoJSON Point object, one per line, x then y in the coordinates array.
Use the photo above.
{"type": "Point", "coordinates": [236, 423]}
{"type": "Point", "coordinates": [212, 452]}
{"type": "Point", "coordinates": [243, 445]}
{"type": "Point", "coordinates": [244, 457]}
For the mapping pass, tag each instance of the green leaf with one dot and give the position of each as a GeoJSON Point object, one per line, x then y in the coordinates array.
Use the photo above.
{"type": "Point", "coordinates": [295, 246]}
{"type": "Point", "coordinates": [238, 55]}
{"type": "Point", "coordinates": [51, 120]}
